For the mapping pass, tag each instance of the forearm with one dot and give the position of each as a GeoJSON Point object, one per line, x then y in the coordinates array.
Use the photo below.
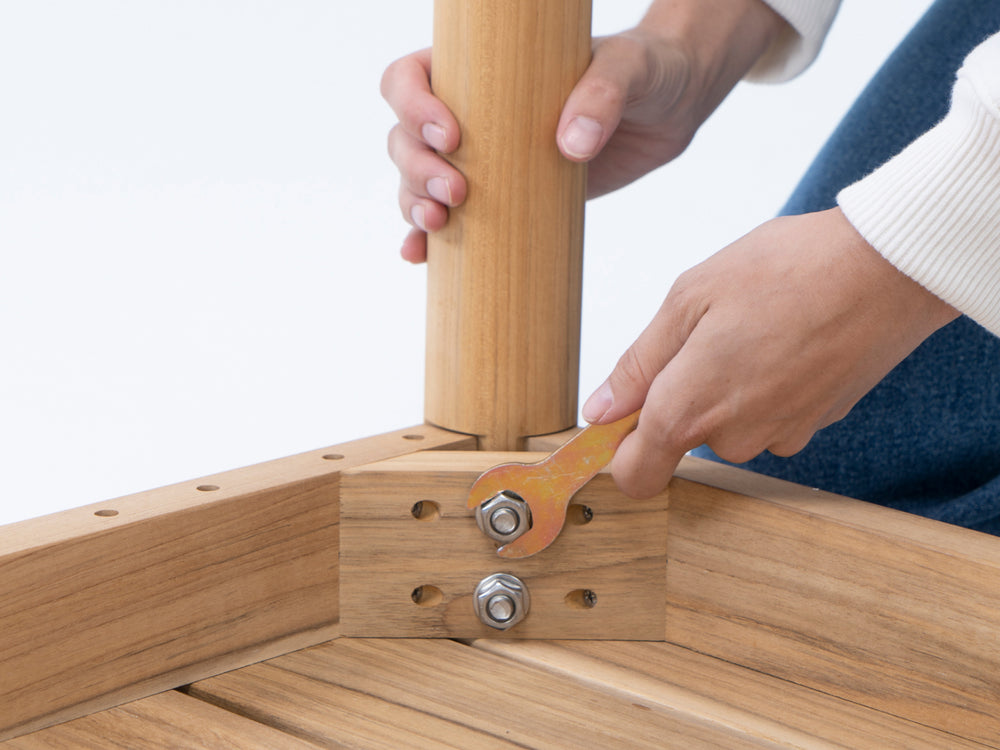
{"type": "Point", "coordinates": [933, 211]}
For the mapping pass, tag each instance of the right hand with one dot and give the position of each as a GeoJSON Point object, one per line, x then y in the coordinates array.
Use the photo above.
{"type": "Point", "coordinates": [769, 340]}
{"type": "Point", "coordinates": [637, 106]}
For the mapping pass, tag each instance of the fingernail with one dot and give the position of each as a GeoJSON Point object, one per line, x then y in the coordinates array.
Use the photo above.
{"type": "Point", "coordinates": [417, 214]}
{"type": "Point", "coordinates": [581, 137]}
{"type": "Point", "coordinates": [439, 190]}
{"type": "Point", "coordinates": [598, 404]}
{"type": "Point", "coordinates": [434, 135]}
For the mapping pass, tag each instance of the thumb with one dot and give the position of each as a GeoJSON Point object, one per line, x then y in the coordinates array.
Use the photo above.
{"type": "Point", "coordinates": [625, 389]}
{"type": "Point", "coordinates": [621, 394]}
{"type": "Point", "coordinates": [595, 106]}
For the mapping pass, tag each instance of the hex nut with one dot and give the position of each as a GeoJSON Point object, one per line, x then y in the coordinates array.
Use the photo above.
{"type": "Point", "coordinates": [501, 601]}
{"type": "Point", "coordinates": [504, 517]}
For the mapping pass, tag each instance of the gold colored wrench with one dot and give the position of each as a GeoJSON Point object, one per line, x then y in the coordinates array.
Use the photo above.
{"type": "Point", "coordinates": [549, 485]}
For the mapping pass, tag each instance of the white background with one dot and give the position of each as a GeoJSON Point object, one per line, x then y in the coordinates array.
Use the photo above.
{"type": "Point", "coordinates": [199, 235]}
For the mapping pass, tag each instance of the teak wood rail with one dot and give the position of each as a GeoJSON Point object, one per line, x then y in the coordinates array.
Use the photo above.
{"type": "Point", "coordinates": [793, 618]}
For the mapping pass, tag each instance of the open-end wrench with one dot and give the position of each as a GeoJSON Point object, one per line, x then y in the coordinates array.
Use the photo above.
{"type": "Point", "coordinates": [548, 486]}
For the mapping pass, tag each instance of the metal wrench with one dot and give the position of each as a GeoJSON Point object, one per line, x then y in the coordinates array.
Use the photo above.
{"type": "Point", "coordinates": [548, 486]}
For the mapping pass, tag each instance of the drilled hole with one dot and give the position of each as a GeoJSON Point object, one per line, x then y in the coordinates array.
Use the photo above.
{"type": "Point", "coordinates": [426, 510]}
{"type": "Point", "coordinates": [426, 596]}
{"type": "Point", "coordinates": [108, 513]}
{"type": "Point", "coordinates": [333, 456]}
{"type": "Point", "coordinates": [207, 487]}
{"type": "Point", "coordinates": [579, 515]}
{"type": "Point", "coordinates": [581, 599]}
{"type": "Point", "coordinates": [413, 437]}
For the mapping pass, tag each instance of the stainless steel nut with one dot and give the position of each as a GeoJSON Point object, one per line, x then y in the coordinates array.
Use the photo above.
{"type": "Point", "coordinates": [501, 601]}
{"type": "Point", "coordinates": [504, 517]}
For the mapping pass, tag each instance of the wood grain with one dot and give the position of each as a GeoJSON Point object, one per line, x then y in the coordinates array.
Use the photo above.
{"type": "Point", "coordinates": [180, 582]}
{"type": "Point", "coordinates": [504, 275]}
{"type": "Point", "coordinates": [329, 713]}
{"type": "Point", "coordinates": [548, 443]}
{"type": "Point", "coordinates": [878, 607]}
{"type": "Point", "coordinates": [438, 693]}
{"type": "Point", "coordinates": [386, 553]}
{"type": "Point", "coordinates": [745, 701]}
{"type": "Point", "coordinates": [168, 721]}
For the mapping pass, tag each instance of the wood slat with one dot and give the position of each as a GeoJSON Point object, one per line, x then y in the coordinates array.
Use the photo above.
{"type": "Point", "coordinates": [168, 721]}
{"type": "Point", "coordinates": [386, 553]}
{"type": "Point", "coordinates": [119, 600]}
{"type": "Point", "coordinates": [745, 701]}
{"type": "Point", "coordinates": [881, 608]}
{"type": "Point", "coordinates": [440, 693]}
{"type": "Point", "coordinates": [331, 715]}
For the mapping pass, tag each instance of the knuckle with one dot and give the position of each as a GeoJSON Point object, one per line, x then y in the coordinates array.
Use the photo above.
{"type": "Point", "coordinates": [691, 434]}
{"type": "Point", "coordinates": [835, 414]}
{"type": "Point", "coordinates": [662, 433]}
{"type": "Point", "coordinates": [641, 487]}
{"type": "Point", "coordinates": [643, 471]}
{"type": "Point", "coordinates": [737, 450]}
{"type": "Point", "coordinates": [603, 91]}
{"type": "Point", "coordinates": [687, 302]}
{"type": "Point", "coordinates": [733, 454]}
{"type": "Point", "coordinates": [409, 159]}
{"type": "Point", "coordinates": [631, 370]}
{"type": "Point", "coordinates": [784, 450]}
{"type": "Point", "coordinates": [392, 143]}
{"type": "Point", "coordinates": [685, 291]}
{"type": "Point", "coordinates": [387, 84]}
{"type": "Point", "coordinates": [406, 203]}
{"type": "Point", "coordinates": [790, 445]}
{"type": "Point", "coordinates": [400, 74]}
{"type": "Point", "coordinates": [406, 89]}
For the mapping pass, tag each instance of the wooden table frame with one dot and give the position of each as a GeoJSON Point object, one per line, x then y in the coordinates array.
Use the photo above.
{"type": "Point", "coordinates": [115, 601]}
{"type": "Point", "coordinates": [855, 600]}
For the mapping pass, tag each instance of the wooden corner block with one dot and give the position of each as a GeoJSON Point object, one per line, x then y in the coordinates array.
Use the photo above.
{"type": "Point", "coordinates": [388, 552]}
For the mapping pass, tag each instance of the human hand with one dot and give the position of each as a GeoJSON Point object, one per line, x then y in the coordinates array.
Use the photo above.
{"type": "Point", "coordinates": [637, 106]}
{"type": "Point", "coordinates": [426, 129]}
{"type": "Point", "coordinates": [760, 346]}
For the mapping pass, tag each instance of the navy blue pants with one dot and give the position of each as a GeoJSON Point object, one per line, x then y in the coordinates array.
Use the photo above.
{"type": "Point", "coordinates": [927, 438]}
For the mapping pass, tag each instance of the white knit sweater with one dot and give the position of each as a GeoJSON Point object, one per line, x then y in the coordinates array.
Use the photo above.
{"type": "Point", "coordinates": [933, 210]}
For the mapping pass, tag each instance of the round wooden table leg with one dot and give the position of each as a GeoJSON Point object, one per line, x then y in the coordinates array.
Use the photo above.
{"type": "Point", "coordinates": [504, 276]}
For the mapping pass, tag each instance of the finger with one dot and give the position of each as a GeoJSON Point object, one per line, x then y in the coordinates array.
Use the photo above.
{"type": "Point", "coordinates": [407, 89]}
{"type": "Point", "coordinates": [636, 474]}
{"type": "Point", "coordinates": [420, 213]}
{"type": "Point", "coordinates": [423, 173]}
{"type": "Point", "coordinates": [795, 433]}
{"type": "Point", "coordinates": [796, 440]}
{"type": "Point", "coordinates": [740, 447]}
{"type": "Point", "coordinates": [414, 247]}
{"type": "Point", "coordinates": [625, 389]}
{"type": "Point", "coordinates": [789, 447]}
{"type": "Point", "coordinates": [675, 419]}
{"type": "Point", "coordinates": [418, 192]}
{"type": "Point", "coordinates": [595, 106]}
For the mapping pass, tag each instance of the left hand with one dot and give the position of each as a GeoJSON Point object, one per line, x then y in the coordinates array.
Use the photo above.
{"type": "Point", "coordinates": [763, 344]}
{"type": "Point", "coordinates": [637, 106]}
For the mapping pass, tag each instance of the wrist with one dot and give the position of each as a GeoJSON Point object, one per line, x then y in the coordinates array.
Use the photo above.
{"type": "Point", "coordinates": [721, 39]}
{"type": "Point", "coordinates": [925, 310]}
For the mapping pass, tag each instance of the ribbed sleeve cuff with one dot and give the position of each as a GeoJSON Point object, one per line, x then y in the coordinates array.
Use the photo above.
{"type": "Point", "coordinates": [934, 210]}
{"type": "Point", "coordinates": [793, 51]}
